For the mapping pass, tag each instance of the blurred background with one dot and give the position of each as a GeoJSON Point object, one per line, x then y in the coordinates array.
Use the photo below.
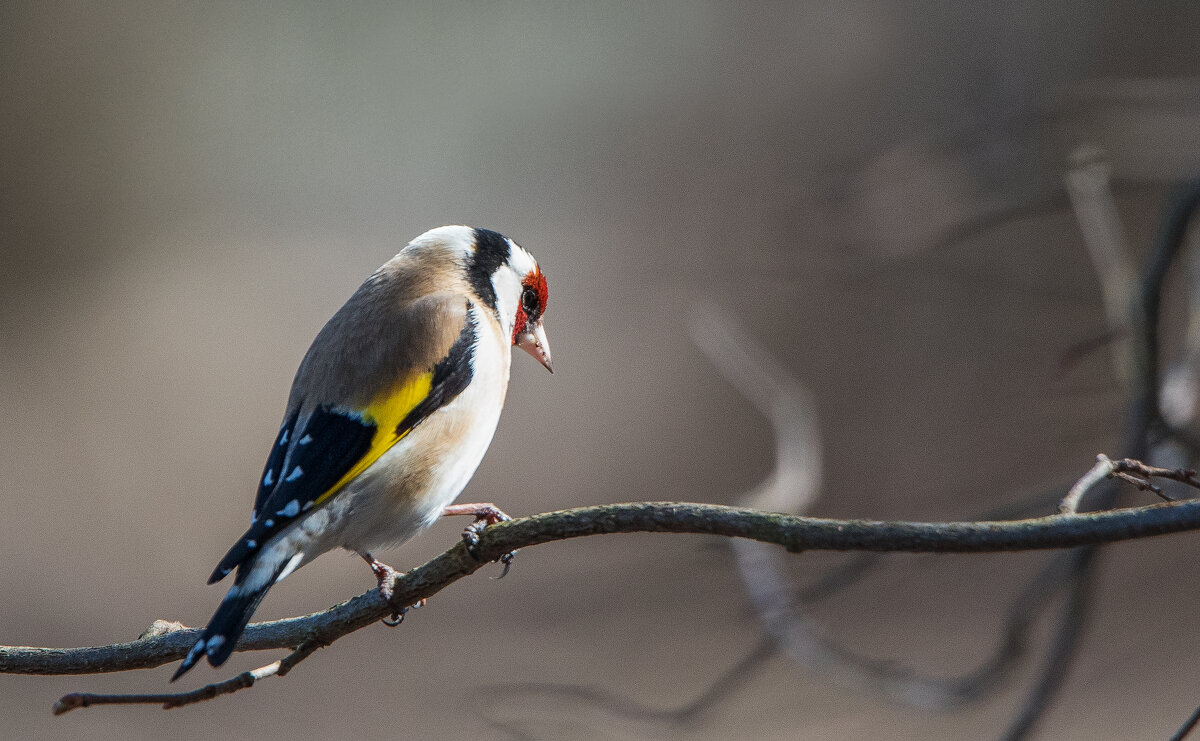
{"type": "Point", "coordinates": [871, 193]}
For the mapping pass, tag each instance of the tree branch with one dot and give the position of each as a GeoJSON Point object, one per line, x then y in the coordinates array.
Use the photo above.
{"type": "Point", "coordinates": [304, 634]}
{"type": "Point", "coordinates": [75, 700]}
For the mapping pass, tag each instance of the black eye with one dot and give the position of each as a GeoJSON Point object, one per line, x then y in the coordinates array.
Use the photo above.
{"type": "Point", "coordinates": [529, 301]}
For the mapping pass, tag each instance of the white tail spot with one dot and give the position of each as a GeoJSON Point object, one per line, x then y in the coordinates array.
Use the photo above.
{"type": "Point", "coordinates": [214, 644]}
{"type": "Point", "coordinates": [292, 563]}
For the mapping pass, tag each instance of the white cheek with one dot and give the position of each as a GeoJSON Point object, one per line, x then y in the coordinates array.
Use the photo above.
{"type": "Point", "coordinates": [508, 291]}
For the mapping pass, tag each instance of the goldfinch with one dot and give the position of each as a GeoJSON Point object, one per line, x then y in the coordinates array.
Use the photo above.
{"type": "Point", "coordinates": [389, 415]}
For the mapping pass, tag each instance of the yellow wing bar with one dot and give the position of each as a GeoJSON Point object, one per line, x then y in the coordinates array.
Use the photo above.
{"type": "Point", "coordinates": [386, 412]}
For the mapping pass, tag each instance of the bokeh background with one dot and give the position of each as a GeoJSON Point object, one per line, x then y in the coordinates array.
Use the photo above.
{"type": "Point", "coordinates": [872, 191]}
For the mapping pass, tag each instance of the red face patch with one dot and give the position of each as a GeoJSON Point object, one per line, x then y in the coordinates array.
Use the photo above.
{"type": "Point", "coordinates": [534, 294]}
{"type": "Point", "coordinates": [542, 291]}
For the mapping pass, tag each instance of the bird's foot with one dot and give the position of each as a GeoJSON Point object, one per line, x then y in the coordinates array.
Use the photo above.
{"type": "Point", "coordinates": [485, 513]}
{"type": "Point", "coordinates": [385, 574]}
{"type": "Point", "coordinates": [387, 584]}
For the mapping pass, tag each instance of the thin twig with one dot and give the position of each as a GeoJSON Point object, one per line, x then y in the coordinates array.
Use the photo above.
{"type": "Point", "coordinates": [242, 681]}
{"type": "Point", "coordinates": [1129, 470]}
{"type": "Point", "coordinates": [75, 700]}
{"type": "Point", "coordinates": [1139, 474]}
{"type": "Point", "coordinates": [1097, 473]}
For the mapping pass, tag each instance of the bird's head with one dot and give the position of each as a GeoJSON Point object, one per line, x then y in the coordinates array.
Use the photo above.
{"type": "Point", "coordinates": [521, 293]}
{"type": "Point", "coordinates": [529, 333]}
{"type": "Point", "coordinates": [506, 278]}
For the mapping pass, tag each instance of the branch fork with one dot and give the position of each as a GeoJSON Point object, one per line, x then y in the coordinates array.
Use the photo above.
{"type": "Point", "coordinates": [1134, 472]}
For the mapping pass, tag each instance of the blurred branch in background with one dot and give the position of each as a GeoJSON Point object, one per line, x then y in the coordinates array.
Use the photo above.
{"type": "Point", "coordinates": [1143, 420]}
{"type": "Point", "coordinates": [752, 371]}
{"type": "Point", "coordinates": [792, 487]}
{"type": "Point", "coordinates": [1089, 187]}
{"type": "Point", "coordinates": [794, 484]}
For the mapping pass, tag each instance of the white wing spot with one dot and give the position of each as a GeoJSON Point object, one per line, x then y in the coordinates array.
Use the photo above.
{"type": "Point", "coordinates": [269, 479]}
{"type": "Point", "coordinates": [251, 543]}
{"type": "Point", "coordinates": [268, 523]}
{"type": "Point", "coordinates": [305, 440]}
{"type": "Point", "coordinates": [214, 644]}
{"type": "Point", "coordinates": [290, 510]}
{"type": "Point", "coordinates": [296, 473]}
{"type": "Point", "coordinates": [307, 506]}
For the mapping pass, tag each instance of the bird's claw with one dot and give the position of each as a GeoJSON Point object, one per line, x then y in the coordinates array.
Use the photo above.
{"type": "Point", "coordinates": [470, 538]}
{"type": "Point", "coordinates": [397, 616]}
{"type": "Point", "coordinates": [507, 560]}
{"type": "Point", "coordinates": [485, 514]}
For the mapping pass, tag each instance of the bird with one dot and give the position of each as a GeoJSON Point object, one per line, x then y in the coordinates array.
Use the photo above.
{"type": "Point", "coordinates": [389, 415]}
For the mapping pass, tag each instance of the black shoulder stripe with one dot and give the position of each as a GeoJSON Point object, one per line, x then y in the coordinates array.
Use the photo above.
{"type": "Point", "coordinates": [491, 251]}
{"type": "Point", "coordinates": [451, 375]}
{"type": "Point", "coordinates": [328, 446]}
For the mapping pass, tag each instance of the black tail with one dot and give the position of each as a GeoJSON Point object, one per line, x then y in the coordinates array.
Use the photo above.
{"type": "Point", "coordinates": [229, 621]}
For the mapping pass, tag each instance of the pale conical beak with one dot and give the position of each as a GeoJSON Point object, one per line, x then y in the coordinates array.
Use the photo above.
{"type": "Point", "coordinates": [533, 341]}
